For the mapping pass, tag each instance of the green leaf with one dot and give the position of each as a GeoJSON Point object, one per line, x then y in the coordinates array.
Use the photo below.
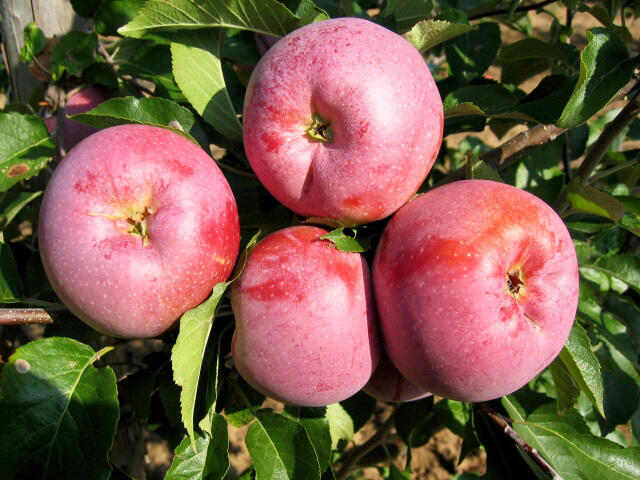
{"type": "Point", "coordinates": [567, 390]}
{"type": "Point", "coordinates": [529, 48]}
{"type": "Point", "coordinates": [198, 72]}
{"type": "Point", "coordinates": [263, 16]}
{"type": "Point", "coordinates": [428, 33]}
{"type": "Point", "coordinates": [25, 149]}
{"type": "Point", "coordinates": [281, 449]}
{"type": "Point", "coordinates": [546, 102]}
{"type": "Point", "coordinates": [625, 267]}
{"type": "Point", "coordinates": [470, 55]}
{"type": "Point", "coordinates": [188, 352]}
{"type": "Point", "coordinates": [315, 422]}
{"type": "Point", "coordinates": [112, 14]}
{"type": "Point", "coordinates": [59, 412]}
{"type": "Point", "coordinates": [396, 474]}
{"type": "Point", "coordinates": [406, 12]}
{"type": "Point", "coordinates": [210, 460]}
{"type": "Point", "coordinates": [452, 414]}
{"type": "Point", "coordinates": [583, 365]}
{"type": "Point", "coordinates": [10, 281]}
{"type": "Point", "coordinates": [73, 53]}
{"type": "Point", "coordinates": [150, 61]}
{"type": "Point", "coordinates": [340, 424]}
{"type": "Point", "coordinates": [240, 402]}
{"type": "Point", "coordinates": [605, 67]}
{"type": "Point", "coordinates": [584, 198]}
{"type": "Point", "coordinates": [346, 240]}
{"type": "Point", "coordinates": [86, 8]}
{"type": "Point", "coordinates": [34, 42]}
{"type": "Point", "coordinates": [475, 168]}
{"type": "Point", "coordinates": [12, 203]}
{"type": "Point", "coordinates": [570, 448]}
{"type": "Point", "coordinates": [413, 422]}
{"type": "Point", "coordinates": [145, 111]}
{"type": "Point", "coordinates": [491, 100]}
{"type": "Point", "coordinates": [360, 407]}
{"type": "Point", "coordinates": [537, 172]}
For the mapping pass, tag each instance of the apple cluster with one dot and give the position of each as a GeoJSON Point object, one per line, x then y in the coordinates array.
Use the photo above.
{"type": "Point", "coordinates": [473, 288]}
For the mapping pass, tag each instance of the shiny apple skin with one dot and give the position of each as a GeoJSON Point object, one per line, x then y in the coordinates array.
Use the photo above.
{"type": "Point", "coordinates": [111, 279]}
{"type": "Point", "coordinates": [305, 319]}
{"type": "Point", "coordinates": [385, 113]}
{"type": "Point", "coordinates": [476, 284]}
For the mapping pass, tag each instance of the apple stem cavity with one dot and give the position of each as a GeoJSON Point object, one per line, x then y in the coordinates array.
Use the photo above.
{"type": "Point", "coordinates": [320, 130]}
{"type": "Point", "coordinates": [514, 284]}
{"type": "Point", "coordinates": [137, 221]}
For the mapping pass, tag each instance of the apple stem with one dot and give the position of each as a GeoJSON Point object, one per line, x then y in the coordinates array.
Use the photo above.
{"type": "Point", "coordinates": [320, 130]}
{"type": "Point", "coordinates": [518, 440]}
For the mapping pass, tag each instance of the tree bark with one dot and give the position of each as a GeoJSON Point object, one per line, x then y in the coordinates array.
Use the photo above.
{"type": "Point", "coordinates": [53, 17]}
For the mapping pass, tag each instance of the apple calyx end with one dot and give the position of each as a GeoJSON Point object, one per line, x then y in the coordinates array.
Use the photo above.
{"type": "Point", "coordinates": [139, 226]}
{"type": "Point", "coordinates": [319, 130]}
{"type": "Point", "coordinates": [514, 283]}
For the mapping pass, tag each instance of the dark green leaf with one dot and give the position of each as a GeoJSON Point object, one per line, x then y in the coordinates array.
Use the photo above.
{"type": "Point", "coordinates": [537, 172]}
{"type": "Point", "coordinates": [73, 53]}
{"type": "Point", "coordinates": [112, 14]}
{"type": "Point", "coordinates": [475, 168]}
{"type": "Point", "coordinates": [584, 198]}
{"type": "Point", "coordinates": [470, 55]}
{"type": "Point", "coordinates": [281, 449]}
{"type": "Point", "coordinates": [189, 349]}
{"type": "Point", "coordinates": [150, 61]}
{"type": "Point", "coordinates": [347, 240]}
{"type": "Point", "coordinates": [34, 42]}
{"type": "Point", "coordinates": [546, 102]}
{"type": "Point", "coordinates": [489, 100]}
{"type": "Point", "coordinates": [209, 461]}
{"type": "Point", "coordinates": [264, 16]}
{"type": "Point", "coordinates": [25, 149]}
{"type": "Point", "coordinates": [583, 366]}
{"type": "Point", "coordinates": [10, 281]}
{"type": "Point", "coordinates": [529, 48]}
{"type": "Point", "coordinates": [198, 71]}
{"type": "Point", "coordinates": [12, 203]}
{"type": "Point", "coordinates": [396, 474]}
{"type": "Point", "coordinates": [236, 410]}
{"type": "Point", "coordinates": [519, 71]}
{"type": "Point", "coordinates": [59, 412]}
{"type": "Point", "coordinates": [605, 67]}
{"type": "Point", "coordinates": [567, 390]}
{"type": "Point", "coordinates": [406, 13]}
{"type": "Point", "coordinates": [146, 111]}
{"type": "Point", "coordinates": [360, 407]}
{"type": "Point", "coordinates": [315, 422]}
{"type": "Point", "coordinates": [429, 33]}
{"type": "Point", "coordinates": [86, 8]}
{"type": "Point", "coordinates": [452, 414]}
{"type": "Point", "coordinates": [413, 422]}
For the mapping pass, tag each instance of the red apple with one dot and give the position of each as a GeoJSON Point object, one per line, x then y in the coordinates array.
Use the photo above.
{"type": "Point", "coordinates": [388, 384]}
{"type": "Point", "coordinates": [342, 119]}
{"type": "Point", "coordinates": [476, 284]}
{"type": "Point", "coordinates": [305, 321]}
{"type": "Point", "coordinates": [80, 102]}
{"type": "Point", "coordinates": [137, 225]}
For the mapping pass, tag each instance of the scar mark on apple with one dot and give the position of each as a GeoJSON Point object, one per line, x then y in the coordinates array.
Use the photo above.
{"type": "Point", "coordinates": [17, 170]}
{"type": "Point", "coordinates": [535, 323]}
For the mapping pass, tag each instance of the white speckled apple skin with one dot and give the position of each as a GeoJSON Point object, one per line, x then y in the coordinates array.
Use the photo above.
{"type": "Point", "coordinates": [107, 277]}
{"type": "Point", "coordinates": [375, 90]}
{"type": "Point", "coordinates": [305, 320]}
{"type": "Point", "coordinates": [449, 323]}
